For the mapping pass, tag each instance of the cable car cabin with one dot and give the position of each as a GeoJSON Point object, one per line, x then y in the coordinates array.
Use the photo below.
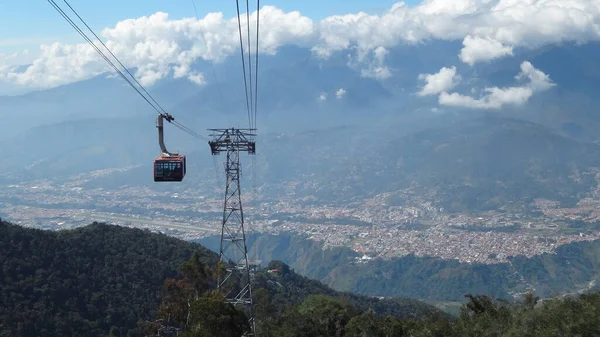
{"type": "Point", "coordinates": [170, 168]}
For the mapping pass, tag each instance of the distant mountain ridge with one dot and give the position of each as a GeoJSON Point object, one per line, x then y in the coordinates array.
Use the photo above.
{"type": "Point", "coordinates": [379, 136]}
{"type": "Point", "coordinates": [479, 164]}
{"type": "Point", "coordinates": [293, 79]}
{"type": "Point", "coordinates": [570, 269]}
{"type": "Point", "coordinates": [461, 163]}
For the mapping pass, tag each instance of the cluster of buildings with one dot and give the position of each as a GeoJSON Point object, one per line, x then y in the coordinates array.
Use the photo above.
{"type": "Point", "coordinates": [372, 227]}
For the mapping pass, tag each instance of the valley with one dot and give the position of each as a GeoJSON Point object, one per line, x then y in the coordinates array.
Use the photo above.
{"type": "Point", "coordinates": [371, 227]}
{"type": "Point", "coordinates": [419, 168]}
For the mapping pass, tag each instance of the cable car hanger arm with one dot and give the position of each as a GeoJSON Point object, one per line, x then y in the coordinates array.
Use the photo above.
{"type": "Point", "coordinates": [161, 137]}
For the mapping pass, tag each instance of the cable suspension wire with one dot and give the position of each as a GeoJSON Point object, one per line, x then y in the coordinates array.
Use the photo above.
{"type": "Point", "coordinates": [256, 67]}
{"type": "Point", "coordinates": [151, 101]}
{"type": "Point", "coordinates": [66, 17]}
{"type": "Point", "coordinates": [113, 55]}
{"type": "Point", "coordinates": [188, 130]}
{"type": "Point", "coordinates": [254, 167]}
{"type": "Point", "coordinates": [212, 65]}
{"type": "Point", "coordinates": [249, 63]}
{"type": "Point", "coordinates": [243, 61]}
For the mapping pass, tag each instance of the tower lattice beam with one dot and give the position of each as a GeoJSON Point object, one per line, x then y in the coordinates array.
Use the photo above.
{"type": "Point", "coordinates": [234, 281]}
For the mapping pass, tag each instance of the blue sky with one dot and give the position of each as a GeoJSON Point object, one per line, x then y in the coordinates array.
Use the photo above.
{"type": "Point", "coordinates": [27, 24]}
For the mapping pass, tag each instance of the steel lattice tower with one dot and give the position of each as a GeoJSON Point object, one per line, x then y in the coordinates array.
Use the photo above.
{"type": "Point", "coordinates": [234, 274]}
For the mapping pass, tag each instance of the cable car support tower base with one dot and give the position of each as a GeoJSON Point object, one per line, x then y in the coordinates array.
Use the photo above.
{"type": "Point", "coordinates": [234, 272]}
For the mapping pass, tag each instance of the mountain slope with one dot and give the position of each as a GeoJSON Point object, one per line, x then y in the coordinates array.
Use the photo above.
{"type": "Point", "coordinates": [90, 280]}
{"type": "Point", "coordinates": [460, 162]}
{"type": "Point", "coordinates": [84, 281]}
{"type": "Point", "coordinates": [473, 165]}
{"type": "Point", "coordinates": [289, 288]}
{"type": "Point", "coordinates": [379, 137]}
{"type": "Point", "coordinates": [571, 268]}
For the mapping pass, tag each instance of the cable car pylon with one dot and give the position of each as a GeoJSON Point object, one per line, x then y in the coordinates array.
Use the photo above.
{"type": "Point", "coordinates": [234, 278]}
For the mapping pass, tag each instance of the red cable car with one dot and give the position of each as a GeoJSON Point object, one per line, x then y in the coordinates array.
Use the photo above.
{"type": "Point", "coordinates": [167, 166]}
{"type": "Point", "coordinates": [171, 168]}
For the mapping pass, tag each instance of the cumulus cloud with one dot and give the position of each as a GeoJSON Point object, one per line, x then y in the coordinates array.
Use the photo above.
{"type": "Point", "coordinates": [13, 59]}
{"type": "Point", "coordinates": [157, 47]}
{"type": "Point", "coordinates": [538, 81]}
{"type": "Point", "coordinates": [496, 98]}
{"type": "Point", "coordinates": [371, 64]}
{"type": "Point", "coordinates": [509, 22]}
{"type": "Point", "coordinates": [340, 93]}
{"type": "Point", "coordinates": [9, 63]}
{"type": "Point", "coordinates": [160, 47]}
{"type": "Point", "coordinates": [323, 96]}
{"type": "Point", "coordinates": [482, 49]}
{"type": "Point", "coordinates": [444, 80]}
{"type": "Point", "coordinates": [197, 77]}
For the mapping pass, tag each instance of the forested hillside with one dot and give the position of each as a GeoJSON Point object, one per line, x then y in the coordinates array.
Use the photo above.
{"type": "Point", "coordinates": [570, 268]}
{"type": "Point", "coordinates": [103, 279]}
{"type": "Point", "coordinates": [85, 281]}
{"type": "Point", "coordinates": [480, 316]}
{"type": "Point", "coordinates": [284, 308]}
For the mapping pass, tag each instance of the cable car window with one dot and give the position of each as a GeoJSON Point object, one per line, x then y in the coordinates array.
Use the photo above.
{"type": "Point", "coordinates": [169, 169]}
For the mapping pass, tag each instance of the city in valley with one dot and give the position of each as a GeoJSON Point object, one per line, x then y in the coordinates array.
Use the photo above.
{"type": "Point", "coordinates": [371, 228]}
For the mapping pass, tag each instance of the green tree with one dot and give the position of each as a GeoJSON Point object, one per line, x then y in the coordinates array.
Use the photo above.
{"type": "Point", "coordinates": [198, 275]}
{"type": "Point", "coordinates": [481, 316]}
{"type": "Point", "coordinates": [530, 300]}
{"type": "Point", "coordinates": [212, 316]}
{"type": "Point", "coordinates": [291, 323]}
{"type": "Point", "coordinates": [393, 326]}
{"type": "Point", "coordinates": [174, 307]}
{"type": "Point", "coordinates": [179, 294]}
{"type": "Point", "coordinates": [330, 313]}
{"type": "Point", "coordinates": [364, 325]}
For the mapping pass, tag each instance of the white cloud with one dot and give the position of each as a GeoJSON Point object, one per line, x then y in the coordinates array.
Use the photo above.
{"type": "Point", "coordinates": [538, 81]}
{"type": "Point", "coordinates": [496, 98]}
{"type": "Point", "coordinates": [444, 80]}
{"type": "Point", "coordinates": [13, 59]}
{"type": "Point", "coordinates": [340, 93]}
{"type": "Point", "coordinates": [378, 72]}
{"type": "Point", "coordinates": [9, 63]}
{"type": "Point", "coordinates": [373, 64]}
{"type": "Point", "coordinates": [482, 49]}
{"type": "Point", "coordinates": [493, 25]}
{"type": "Point", "coordinates": [160, 47]}
{"type": "Point", "coordinates": [322, 96]}
{"type": "Point", "coordinates": [196, 77]}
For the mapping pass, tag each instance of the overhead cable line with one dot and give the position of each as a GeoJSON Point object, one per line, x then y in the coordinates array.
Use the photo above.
{"type": "Point", "coordinates": [212, 65]}
{"type": "Point", "coordinates": [113, 55]}
{"type": "Point", "coordinates": [151, 101]}
{"type": "Point", "coordinates": [243, 61]}
{"type": "Point", "coordinates": [256, 67]}
{"type": "Point", "coordinates": [66, 17]}
{"type": "Point", "coordinates": [188, 130]}
{"type": "Point", "coordinates": [249, 63]}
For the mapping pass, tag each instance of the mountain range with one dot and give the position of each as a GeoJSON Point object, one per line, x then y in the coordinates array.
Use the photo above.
{"type": "Point", "coordinates": [379, 136]}
{"type": "Point", "coordinates": [102, 278]}
{"type": "Point", "coordinates": [572, 268]}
